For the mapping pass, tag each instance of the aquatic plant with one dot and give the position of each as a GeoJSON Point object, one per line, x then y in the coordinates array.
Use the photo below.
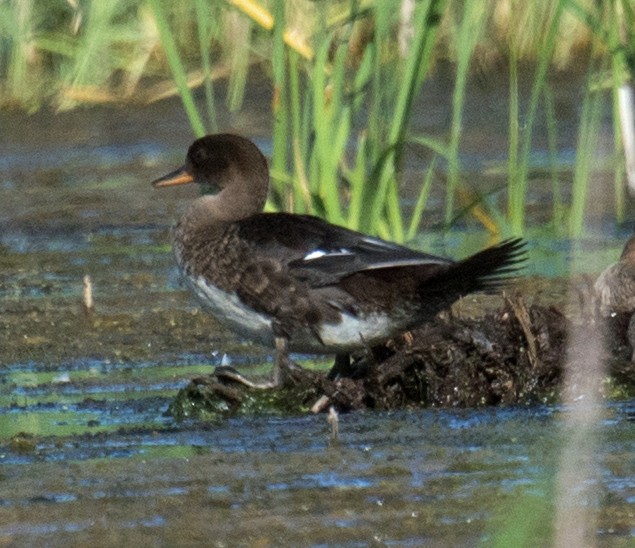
{"type": "Point", "coordinates": [345, 75]}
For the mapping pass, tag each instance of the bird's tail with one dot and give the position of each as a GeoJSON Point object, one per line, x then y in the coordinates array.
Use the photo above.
{"type": "Point", "coordinates": [486, 270]}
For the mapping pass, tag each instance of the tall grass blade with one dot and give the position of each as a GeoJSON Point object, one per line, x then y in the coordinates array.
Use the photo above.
{"type": "Point", "coordinates": [21, 36]}
{"type": "Point", "coordinates": [513, 195]}
{"type": "Point", "coordinates": [422, 199]}
{"type": "Point", "coordinates": [279, 160]}
{"type": "Point", "coordinates": [519, 188]}
{"type": "Point", "coordinates": [236, 46]}
{"type": "Point", "coordinates": [585, 157]}
{"type": "Point", "coordinates": [92, 62]}
{"type": "Point", "coordinates": [386, 199]}
{"type": "Point", "coordinates": [470, 29]}
{"type": "Point", "coordinates": [204, 40]}
{"type": "Point", "coordinates": [557, 211]}
{"type": "Point", "coordinates": [176, 66]}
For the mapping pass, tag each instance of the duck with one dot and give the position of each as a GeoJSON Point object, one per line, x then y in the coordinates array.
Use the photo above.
{"type": "Point", "coordinates": [614, 288]}
{"type": "Point", "coordinates": [297, 283]}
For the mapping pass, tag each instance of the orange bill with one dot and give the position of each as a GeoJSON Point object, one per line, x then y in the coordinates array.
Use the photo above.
{"type": "Point", "coordinates": [179, 177]}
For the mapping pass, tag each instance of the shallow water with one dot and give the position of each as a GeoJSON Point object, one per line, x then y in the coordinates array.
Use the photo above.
{"type": "Point", "coordinates": [408, 478]}
{"type": "Point", "coordinates": [86, 452]}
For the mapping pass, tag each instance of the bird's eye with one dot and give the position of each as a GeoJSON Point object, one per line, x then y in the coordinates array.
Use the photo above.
{"type": "Point", "coordinates": [200, 156]}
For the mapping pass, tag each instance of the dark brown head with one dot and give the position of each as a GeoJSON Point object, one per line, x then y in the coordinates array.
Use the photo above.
{"type": "Point", "coordinates": [230, 165]}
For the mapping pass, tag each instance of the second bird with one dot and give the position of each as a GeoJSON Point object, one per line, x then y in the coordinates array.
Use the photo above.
{"type": "Point", "coordinates": [298, 283]}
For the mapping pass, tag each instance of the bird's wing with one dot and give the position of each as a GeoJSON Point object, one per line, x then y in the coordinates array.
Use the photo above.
{"type": "Point", "coordinates": [321, 254]}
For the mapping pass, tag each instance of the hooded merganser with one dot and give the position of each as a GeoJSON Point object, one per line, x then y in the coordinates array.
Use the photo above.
{"type": "Point", "coordinates": [298, 283]}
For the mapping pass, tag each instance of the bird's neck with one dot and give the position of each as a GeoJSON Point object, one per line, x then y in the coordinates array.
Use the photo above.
{"type": "Point", "coordinates": [233, 203]}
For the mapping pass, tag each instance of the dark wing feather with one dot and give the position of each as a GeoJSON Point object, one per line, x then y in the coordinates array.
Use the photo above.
{"type": "Point", "coordinates": [321, 254]}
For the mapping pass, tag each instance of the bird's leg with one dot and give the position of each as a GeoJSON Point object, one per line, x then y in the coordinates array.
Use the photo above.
{"type": "Point", "coordinates": [283, 369]}
{"type": "Point", "coordinates": [229, 373]}
{"type": "Point", "coordinates": [279, 365]}
{"type": "Point", "coordinates": [341, 367]}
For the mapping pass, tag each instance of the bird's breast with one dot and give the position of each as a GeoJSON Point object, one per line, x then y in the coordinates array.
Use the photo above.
{"type": "Point", "coordinates": [350, 333]}
{"type": "Point", "coordinates": [230, 311]}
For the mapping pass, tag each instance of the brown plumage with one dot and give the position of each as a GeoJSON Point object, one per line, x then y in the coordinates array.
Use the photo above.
{"type": "Point", "coordinates": [297, 282]}
{"type": "Point", "coordinates": [615, 287]}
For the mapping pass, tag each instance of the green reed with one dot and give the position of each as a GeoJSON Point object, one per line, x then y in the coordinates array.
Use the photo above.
{"type": "Point", "coordinates": [621, 37]}
{"type": "Point", "coordinates": [17, 24]}
{"type": "Point", "coordinates": [342, 162]}
{"type": "Point", "coordinates": [585, 158]}
{"type": "Point", "coordinates": [469, 31]}
{"type": "Point", "coordinates": [558, 209]}
{"type": "Point", "coordinates": [205, 36]}
{"type": "Point", "coordinates": [178, 70]}
{"type": "Point", "coordinates": [517, 186]}
{"type": "Point", "coordinates": [612, 24]}
{"type": "Point", "coordinates": [341, 109]}
{"type": "Point", "coordinates": [280, 96]}
{"type": "Point", "coordinates": [418, 63]}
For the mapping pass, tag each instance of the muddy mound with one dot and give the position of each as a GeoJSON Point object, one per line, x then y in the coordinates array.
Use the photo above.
{"type": "Point", "coordinates": [513, 355]}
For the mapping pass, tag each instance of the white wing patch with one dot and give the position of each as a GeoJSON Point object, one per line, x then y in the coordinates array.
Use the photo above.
{"type": "Point", "coordinates": [380, 243]}
{"type": "Point", "coordinates": [349, 334]}
{"type": "Point", "coordinates": [228, 309]}
{"type": "Point", "coordinates": [317, 253]}
{"type": "Point", "coordinates": [354, 332]}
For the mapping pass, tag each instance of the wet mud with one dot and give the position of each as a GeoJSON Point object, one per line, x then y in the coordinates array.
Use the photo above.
{"type": "Point", "coordinates": [514, 355]}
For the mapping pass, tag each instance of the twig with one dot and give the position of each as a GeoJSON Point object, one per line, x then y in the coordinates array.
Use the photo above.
{"type": "Point", "coordinates": [89, 306]}
{"type": "Point", "coordinates": [334, 420]}
{"type": "Point", "coordinates": [519, 308]}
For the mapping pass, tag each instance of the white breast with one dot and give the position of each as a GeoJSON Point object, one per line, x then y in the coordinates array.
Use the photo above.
{"type": "Point", "coordinates": [352, 332]}
{"type": "Point", "coordinates": [228, 309]}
